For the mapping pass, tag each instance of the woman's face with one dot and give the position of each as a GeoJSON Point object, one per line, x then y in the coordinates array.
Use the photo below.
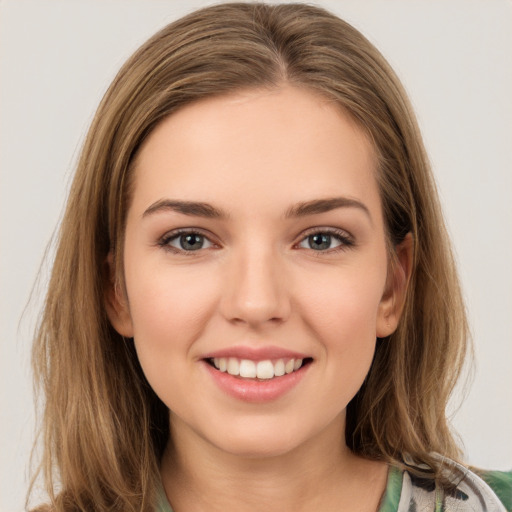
{"type": "Point", "coordinates": [256, 268]}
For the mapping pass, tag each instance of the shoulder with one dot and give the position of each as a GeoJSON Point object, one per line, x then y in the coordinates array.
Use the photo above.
{"type": "Point", "coordinates": [486, 491]}
{"type": "Point", "coordinates": [500, 482]}
{"type": "Point", "coordinates": [464, 490]}
{"type": "Point", "coordinates": [471, 492]}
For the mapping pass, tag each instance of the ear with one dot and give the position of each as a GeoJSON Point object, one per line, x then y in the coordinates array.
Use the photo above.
{"type": "Point", "coordinates": [116, 302]}
{"type": "Point", "coordinates": [393, 299]}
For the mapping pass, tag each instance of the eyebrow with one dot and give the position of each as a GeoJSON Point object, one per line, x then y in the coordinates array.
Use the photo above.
{"type": "Point", "coordinates": [206, 210]}
{"type": "Point", "coordinates": [325, 205]}
{"type": "Point", "coordinates": [193, 208]}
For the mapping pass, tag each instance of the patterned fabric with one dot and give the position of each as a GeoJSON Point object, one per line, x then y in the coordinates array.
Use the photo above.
{"type": "Point", "coordinates": [474, 491]}
{"type": "Point", "coordinates": [501, 483]}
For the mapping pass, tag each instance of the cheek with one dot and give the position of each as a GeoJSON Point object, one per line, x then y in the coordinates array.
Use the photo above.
{"type": "Point", "coordinates": [341, 310]}
{"type": "Point", "coordinates": [169, 309]}
{"type": "Point", "coordinates": [347, 326]}
{"type": "Point", "coordinates": [344, 301]}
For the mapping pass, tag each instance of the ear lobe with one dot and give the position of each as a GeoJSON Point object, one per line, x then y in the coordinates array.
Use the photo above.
{"type": "Point", "coordinates": [393, 299]}
{"type": "Point", "coordinates": [116, 303]}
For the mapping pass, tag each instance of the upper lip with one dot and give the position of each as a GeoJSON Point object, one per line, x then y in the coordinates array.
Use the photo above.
{"type": "Point", "coordinates": [256, 353]}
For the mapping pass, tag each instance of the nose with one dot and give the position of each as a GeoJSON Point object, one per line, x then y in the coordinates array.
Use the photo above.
{"type": "Point", "coordinates": [256, 290]}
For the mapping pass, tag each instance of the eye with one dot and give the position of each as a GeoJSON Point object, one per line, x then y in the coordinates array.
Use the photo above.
{"type": "Point", "coordinates": [186, 241]}
{"type": "Point", "coordinates": [325, 240]}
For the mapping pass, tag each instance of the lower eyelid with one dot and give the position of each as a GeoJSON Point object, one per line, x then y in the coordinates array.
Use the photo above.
{"type": "Point", "coordinates": [344, 238]}
{"type": "Point", "coordinates": [165, 240]}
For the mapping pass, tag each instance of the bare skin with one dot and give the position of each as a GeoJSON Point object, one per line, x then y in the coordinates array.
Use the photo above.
{"type": "Point", "coordinates": [321, 475]}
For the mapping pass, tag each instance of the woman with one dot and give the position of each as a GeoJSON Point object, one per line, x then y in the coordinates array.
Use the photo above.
{"type": "Point", "coordinates": [253, 303]}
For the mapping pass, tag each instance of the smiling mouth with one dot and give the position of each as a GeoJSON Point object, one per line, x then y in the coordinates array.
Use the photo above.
{"type": "Point", "coordinates": [258, 370]}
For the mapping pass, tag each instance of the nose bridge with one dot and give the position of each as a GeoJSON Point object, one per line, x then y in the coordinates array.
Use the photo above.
{"type": "Point", "coordinates": [256, 292]}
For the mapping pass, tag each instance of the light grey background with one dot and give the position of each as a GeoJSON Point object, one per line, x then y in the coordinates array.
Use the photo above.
{"type": "Point", "coordinates": [58, 57]}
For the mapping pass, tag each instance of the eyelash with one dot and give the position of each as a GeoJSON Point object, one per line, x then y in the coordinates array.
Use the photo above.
{"type": "Point", "coordinates": [345, 239]}
{"type": "Point", "coordinates": [165, 241]}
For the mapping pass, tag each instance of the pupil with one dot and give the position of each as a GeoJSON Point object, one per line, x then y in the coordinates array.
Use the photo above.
{"type": "Point", "coordinates": [191, 242]}
{"type": "Point", "coordinates": [320, 241]}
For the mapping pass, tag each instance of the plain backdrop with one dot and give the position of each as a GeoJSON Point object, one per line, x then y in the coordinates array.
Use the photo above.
{"type": "Point", "coordinates": [58, 57]}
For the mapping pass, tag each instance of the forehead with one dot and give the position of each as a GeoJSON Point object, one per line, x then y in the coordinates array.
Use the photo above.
{"type": "Point", "coordinates": [263, 146]}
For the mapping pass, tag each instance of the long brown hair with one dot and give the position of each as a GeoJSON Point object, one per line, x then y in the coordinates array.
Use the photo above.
{"type": "Point", "coordinates": [104, 429]}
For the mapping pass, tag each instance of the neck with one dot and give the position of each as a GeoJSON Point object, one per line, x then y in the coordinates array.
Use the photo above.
{"type": "Point", "coordinates": [321, 474]}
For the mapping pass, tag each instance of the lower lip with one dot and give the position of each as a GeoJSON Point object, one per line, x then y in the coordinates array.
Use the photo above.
{"type": "Point", "coordinates": [256, 391]}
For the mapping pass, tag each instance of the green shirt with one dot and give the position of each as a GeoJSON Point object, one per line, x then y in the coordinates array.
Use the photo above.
{"type": "Point", "coordinates": [474, 491]}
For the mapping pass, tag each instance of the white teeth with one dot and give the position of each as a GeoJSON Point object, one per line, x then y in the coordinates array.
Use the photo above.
{"type": "Point", "coordinates": [265, 370]}
{"type": "Point", "coordinates": [233, 366]}
{"type": "Point", "coordinates": [249, 369]}
{"type": "Point", "coordinates": [279, 368]}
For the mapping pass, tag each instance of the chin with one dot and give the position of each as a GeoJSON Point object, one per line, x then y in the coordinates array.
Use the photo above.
{"type": "Point", "coordinates": [260, 441]}
{"type": "Point", "coordinates": [258, 448]}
